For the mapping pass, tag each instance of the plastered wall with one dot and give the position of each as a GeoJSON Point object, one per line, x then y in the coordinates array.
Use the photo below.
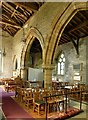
{"type": "Point", "coordinates": [7, 59]}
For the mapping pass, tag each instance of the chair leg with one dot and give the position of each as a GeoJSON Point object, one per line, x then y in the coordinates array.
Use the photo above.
{"type": "Point", "coordinates": [38, 109]}
{"type": "Point", "coordinates": [34, 108]}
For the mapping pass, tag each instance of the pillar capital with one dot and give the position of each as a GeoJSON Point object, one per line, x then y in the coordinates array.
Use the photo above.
{"type": "Point", "coordinates": [24, 73]}
{"type": "Point", "coordinates": [23, 67]}
{"type": "Point", "coordinates": [48, 66]}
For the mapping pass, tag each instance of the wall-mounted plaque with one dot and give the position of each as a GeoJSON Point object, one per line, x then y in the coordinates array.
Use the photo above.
{"type": "Point", "coordinates": [77, 66]}
{"type": "Point", "coordinates": [77, 77]}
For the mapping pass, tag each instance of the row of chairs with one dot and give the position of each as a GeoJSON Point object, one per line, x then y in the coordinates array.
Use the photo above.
{"type": "Point", "coordinates": [36, 98]}
{"type": "Point", "coordinates": [82, 90]}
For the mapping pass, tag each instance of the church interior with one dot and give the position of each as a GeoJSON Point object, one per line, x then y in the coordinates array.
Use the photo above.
{"type": "Point", "coordinates": [43, 60]}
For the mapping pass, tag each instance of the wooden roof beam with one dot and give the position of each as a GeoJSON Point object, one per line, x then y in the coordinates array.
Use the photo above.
{"type": "Point", "coordinates": [29, 7]}
{"type": "Point", "coordinates": [6, 18]}
{"type": "Point", "coordinates": [24, 12]}
{"type": "Point", "coordinates": [74, 35]}
{"type": "Point", "coordinates": [84, 30]}
{"type": "Point", "coordinates": [15, 20]}
{"type": "Point", "coordinates": [12, 21]}
{"type": "Point", "coordinates": [82, 15]}
{"type": "Point", "coordinates": [6, 8]}
{"type": "Point", "coordinates": [12, 9]}
{"type": "Point", "coordinates": [0, 3]}
{"type": "Point", "coordinates": [5, 23]}
{"type": "Point", "coordinates": [9, 31]}
{"type": "Point", "coordinates": [15, 11]}
{"type": "Point", "coordinates": [78, 19]}
{"type": "Point", "coordinates": [79, 26]}
{"type": "Point", "coordinates": [5, 27]}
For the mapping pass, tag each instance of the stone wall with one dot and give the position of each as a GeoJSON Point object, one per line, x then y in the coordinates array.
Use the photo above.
{"type": "Point", "coordinates": [43, 21]}
{"type": "Point", "coordinates": [7, 59]}
{"type": "Point", "coordinates": [72, 58]}
{"type": "Point", "coordinates": [17, 47]}
{"type": "Point", "coordinates": [86, 61]}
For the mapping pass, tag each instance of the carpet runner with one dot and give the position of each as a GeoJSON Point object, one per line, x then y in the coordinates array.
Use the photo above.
{"type": "Point", "coordinates": [11, 109]}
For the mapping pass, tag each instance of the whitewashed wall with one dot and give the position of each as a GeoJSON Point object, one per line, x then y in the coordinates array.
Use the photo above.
{"type": "Point", "coordinates": [6, 60]}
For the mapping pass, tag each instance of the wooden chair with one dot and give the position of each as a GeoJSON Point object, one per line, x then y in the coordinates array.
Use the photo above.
{"type": "Point", "coordinates": [22, 93]}
{"type": "Point", "coordinates": [51, 100]}
{"type": "Point", "coordinates": [28, 98]}
{"type": "Point", "coordinates": [84, 89]}
{"type": "Point", "coordinates": [18, 93]}
{"type": "Point", "coordinates": [38, 102]}
{"type": "Point", "coordinates": [75, 93]}
{"type": "Point", "coordinates": [59, 100]}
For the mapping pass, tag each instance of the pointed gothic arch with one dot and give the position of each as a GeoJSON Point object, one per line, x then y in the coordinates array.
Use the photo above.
{"type": "Point", "coordinates": [30, 37]}
{"type": "Point", "coordinates": [59, 27]}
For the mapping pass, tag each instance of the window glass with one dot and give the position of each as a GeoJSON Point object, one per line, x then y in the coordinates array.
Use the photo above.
{"type": "Point", "coordinates": [60, 59]}
{"type": "Point", "coordinates": [61, 65]}
{"type": "Point", "coordinates": [63, 59]}
{"type": "Point", "coordinates": [62, 55]}
{"type": "Point", "coordinates": [62, 72]}
{"type": "Point", "coordinates": [58, 68]}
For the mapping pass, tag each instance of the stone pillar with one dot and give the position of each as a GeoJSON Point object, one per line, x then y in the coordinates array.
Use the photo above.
{"type": "Point", "coordinates": [48, 76]}
{"type": "Point", "coordinates": [24, 73]}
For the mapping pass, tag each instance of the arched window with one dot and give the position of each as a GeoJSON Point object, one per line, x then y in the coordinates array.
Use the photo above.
{"type": "Point", "coordinates": [61, 65]}
{"type": "Point", "coordinates": [16, 65]}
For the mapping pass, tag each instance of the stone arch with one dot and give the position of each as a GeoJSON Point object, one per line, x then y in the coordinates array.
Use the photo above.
{"type": "Point", "coordinates": [30, 37]}
{"type": "Point", "coordinates": [59, 27]}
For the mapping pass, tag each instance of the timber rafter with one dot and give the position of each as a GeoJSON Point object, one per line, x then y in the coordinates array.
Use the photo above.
{"type": "Point", "coordinates": [15, 14]}
{"type": "Point", "coordinates": [76, 29]}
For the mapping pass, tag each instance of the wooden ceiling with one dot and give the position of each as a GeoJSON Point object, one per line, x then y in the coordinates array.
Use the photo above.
{"type": "Point", "coordinates": [76, 28]}
{"type": "Point", "coordinates": [14, 14]}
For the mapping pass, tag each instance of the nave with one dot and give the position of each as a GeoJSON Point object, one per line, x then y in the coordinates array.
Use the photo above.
{"type": "Point", "coordinates": [44, 58]}
{"type": "Point", "coordinates": [11, 113]}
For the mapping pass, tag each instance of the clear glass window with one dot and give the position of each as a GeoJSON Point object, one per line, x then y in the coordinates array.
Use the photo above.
{"type": "Point", "coordinates": [61, 65]}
